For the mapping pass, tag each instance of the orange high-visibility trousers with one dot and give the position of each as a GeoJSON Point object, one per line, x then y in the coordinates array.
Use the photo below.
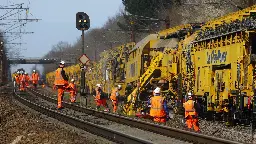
{"type": "Point", "coordinates": [190, 121]}
{"type": "Point", "coordinates": [61, 90]}
{"type": "Point", "coordinates": [114, 104]}
{"type": "Point", "coordinates": [72, 96]}
{"type": "Point", "coordinates": [160, 119]}
{"type": "Point", "coordinates": [34, 83]}
{"type": "Point", "coordinates": [100, 102]}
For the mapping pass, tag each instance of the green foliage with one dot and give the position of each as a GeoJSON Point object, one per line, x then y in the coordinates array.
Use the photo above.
{"type": "Point", "coordinates": [144, 16]}
{"type": "Point", "coordinates": [146, 8]}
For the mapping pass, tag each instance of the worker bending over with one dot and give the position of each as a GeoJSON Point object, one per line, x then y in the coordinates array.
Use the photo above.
{"type": "Point", "coordinates": [191, 114]}
{"type": "Point", "coordinates": [158, 107]}
{"type": "Point", "coordinates": [61, 82]}
{"type": "Point", "coordinates": [114, 97]}
{"type": "Point", "coordinates": [35, 78]}
{"type": "Point", "coordinates": [72, 90]}
{"type": "Point", "coordinates": [100, 98]}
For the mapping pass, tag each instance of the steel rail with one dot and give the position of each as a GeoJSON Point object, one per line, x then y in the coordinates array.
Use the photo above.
{"type": "Point", "coordinates": [164, 130]}
{"type": "Point", "coordinates": [87, 126]}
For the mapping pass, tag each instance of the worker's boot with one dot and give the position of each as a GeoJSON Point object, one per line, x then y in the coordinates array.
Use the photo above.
{"type": "Point", "coordinates": [106, 110]}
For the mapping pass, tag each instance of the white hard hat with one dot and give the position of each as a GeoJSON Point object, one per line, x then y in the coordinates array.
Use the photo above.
{"type": "Point", "coordinates": [72, 80]}
{"type": "Point", "coordinates": [26, 73]}
{"type": "Point", "coordinates": [62, 62]}
{"type": "Point", "coordinates": [157, 90]}
{"type": "Point", "coordinates": [18, 72]}
{"type": "Point", "coordinates": [98, 85]}
{"type": "Point", "coordinates": [189, 95]}
{"type": "Point", "coordinates": [34, 70]}
{"type": "Point", "coordinates": [119, 86]}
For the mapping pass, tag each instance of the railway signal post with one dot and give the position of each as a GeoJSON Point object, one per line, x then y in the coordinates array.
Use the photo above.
{"type": "Point", "coordinates": [82, 23]}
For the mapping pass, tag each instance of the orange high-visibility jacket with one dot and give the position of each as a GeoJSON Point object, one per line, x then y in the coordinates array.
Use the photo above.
{"type": "Point", "coordinates": [113, 94]}
{"type": "Point", "coordinates": [27, 78]}
{"type": "Point", "coordinates": [98, 93]}
{"type": "Point", "coordinates": [189, 108]}
{"type": "Point", "coordinates": [17, 79]}
{"type": "Point", "coordinates": [20, 77]}
{"type": "Point", "coordinates": [157, 107]}
{"type": "Point", "coordinates": [35, 77]}
{"type": "Point", "coordinates": [23, 78]}
{"type": "Point", "coordinates": [59, 80]}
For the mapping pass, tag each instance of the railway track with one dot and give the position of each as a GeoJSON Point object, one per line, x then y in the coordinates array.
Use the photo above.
{"type": "Point", "coordinates": [88, 126]}
{"type": "Point", "coordinates": [159, 129]}
{"type": "Point", "coordinates": [111, 130]}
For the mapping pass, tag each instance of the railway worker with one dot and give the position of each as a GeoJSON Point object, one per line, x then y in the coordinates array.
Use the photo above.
{"type": "Point", "coordinates": [72, 90]}
{"type": "Point", "coordinates": [190, 113]}
{"type": "Point", "coordinates": [35, 78]}
{"type": "Point", "coordinates": [27, 79]}
{"type": "Point", "coordinates": [100, 98]}
{"type": "Point", "coordinates": [22, 81]}
{"type": "Point", "coordinates": [158, 106]}
{"type": "Point", "coordinates": [114, 97]}
{"type": "Point", "coordinates": [61, 82]}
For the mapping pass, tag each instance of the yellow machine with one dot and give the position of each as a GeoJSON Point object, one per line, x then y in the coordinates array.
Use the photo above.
{"type": "Point", "coordinates": [222, 65]}
{"type": "Point", "coordinates": [215, 61]}
{"type": "Point", "coordinates": [154, 62]}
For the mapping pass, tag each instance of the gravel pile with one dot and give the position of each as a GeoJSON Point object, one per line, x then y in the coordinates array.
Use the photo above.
{"type": "Point", "coordinates": [18, 125]}
{"type": "Point", "coordinates": [155, 138]}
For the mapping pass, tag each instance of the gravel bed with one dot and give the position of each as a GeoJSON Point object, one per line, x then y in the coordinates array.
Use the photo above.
{"type": "Point", "coordinates": [20, 125]}
{"type": "Point", "coordinates": [217, 129]}
{"type": "Point", "coordinates": [155, 138]}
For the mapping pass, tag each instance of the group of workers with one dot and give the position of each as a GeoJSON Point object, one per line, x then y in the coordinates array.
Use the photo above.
{"type": "Point", "coordinates": [22, 80]}
{"type": "Point", "coordinates": [157, 103]}
{"type": "Point", "coordinates": [159, 110]}
{"type": "Point", "coordinates": [61, 84]}
{"type": "Point", "coordinates": [101, 99]}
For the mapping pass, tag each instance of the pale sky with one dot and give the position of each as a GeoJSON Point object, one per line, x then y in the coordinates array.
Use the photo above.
{"type": "Point", "coordinates": [58, 22]}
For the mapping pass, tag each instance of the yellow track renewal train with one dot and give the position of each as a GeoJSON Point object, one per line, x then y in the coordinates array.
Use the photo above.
{"type": "Point", "coordinates": [215, 61]}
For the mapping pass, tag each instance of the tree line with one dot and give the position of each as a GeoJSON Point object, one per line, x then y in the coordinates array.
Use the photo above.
{"type": "Point", "coordinates": [138, 19]}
